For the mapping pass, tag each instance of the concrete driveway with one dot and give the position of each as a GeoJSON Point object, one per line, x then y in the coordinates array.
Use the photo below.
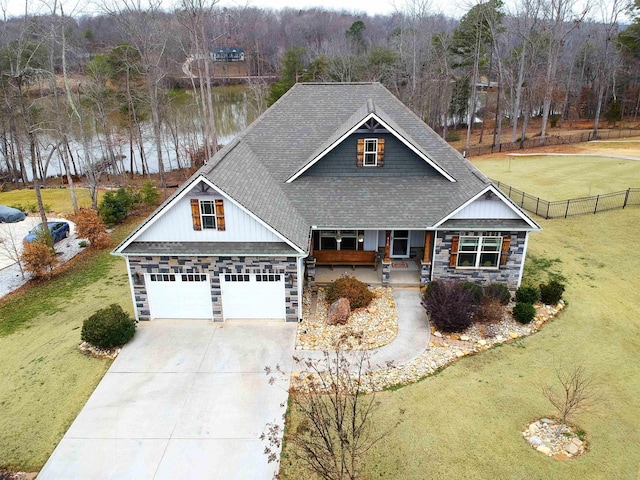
{"type": "Point", "coordinates": [184, 400]}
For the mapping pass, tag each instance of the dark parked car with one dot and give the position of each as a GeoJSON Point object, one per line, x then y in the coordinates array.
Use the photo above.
{"type": "Point", "coordinates": [59, 230]}
{"type": "Point", "coordinates": [10, 215]}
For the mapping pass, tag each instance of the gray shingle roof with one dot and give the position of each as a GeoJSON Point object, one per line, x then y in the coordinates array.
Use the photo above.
{"type": "Point", "coordinates": [254, 168]}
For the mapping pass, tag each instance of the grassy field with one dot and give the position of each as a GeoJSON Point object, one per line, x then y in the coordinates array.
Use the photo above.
{"type": "Point", "coordinates": [563, 177]}
{"type": "Point", "coordinates": [58, 200]}
{"type": "Point", "coordinates": [466, 422]}
{"type": "Point", "coordinates": [44, 379]}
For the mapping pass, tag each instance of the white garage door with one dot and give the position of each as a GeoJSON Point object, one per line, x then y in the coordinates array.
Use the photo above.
{"type": "Point", "coordinates": [179, 295]}
{"type": "Point", "coordinates": [258, 296]}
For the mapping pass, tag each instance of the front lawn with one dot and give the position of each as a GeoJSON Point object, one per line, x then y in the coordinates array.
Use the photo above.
{"type": "Point", "coordinates": [44, 379]}
{"type": "Point", "coordinates": [466, 422]}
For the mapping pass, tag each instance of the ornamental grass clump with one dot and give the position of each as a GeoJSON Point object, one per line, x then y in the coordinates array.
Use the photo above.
{"type": "Point", "coordinates": [108, 327]}
{"type": "Point", "coordinates": [499, 291]}
{"type": "Point", "coordinates": [449, 305]}
{"type": "Point", "coordinates": [352, 289]}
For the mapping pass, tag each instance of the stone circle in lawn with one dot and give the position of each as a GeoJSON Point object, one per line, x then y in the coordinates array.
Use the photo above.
{"type": "Point", "coordinates": [550, 438]}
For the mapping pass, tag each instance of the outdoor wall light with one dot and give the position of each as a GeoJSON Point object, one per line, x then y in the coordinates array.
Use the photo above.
{"type": "Point", "coordinates": [360, 238]}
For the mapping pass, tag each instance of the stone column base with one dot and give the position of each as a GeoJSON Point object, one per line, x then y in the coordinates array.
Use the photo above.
{"type": "Point", "coordinates": [386, 272]}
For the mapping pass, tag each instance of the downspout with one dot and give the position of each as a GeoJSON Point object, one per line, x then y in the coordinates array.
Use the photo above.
{"type": "Point", "coordinates": [524, 256]}
{"type": "Point", "coordinates": [299, 286]}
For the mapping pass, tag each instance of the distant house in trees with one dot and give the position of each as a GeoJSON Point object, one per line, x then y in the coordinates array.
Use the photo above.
{"type": "Point", "coordinates": [232, 54]}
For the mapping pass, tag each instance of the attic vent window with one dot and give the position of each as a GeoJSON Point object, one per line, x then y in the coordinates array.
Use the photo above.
{"type": "Point", "coordinates": [370, 152]}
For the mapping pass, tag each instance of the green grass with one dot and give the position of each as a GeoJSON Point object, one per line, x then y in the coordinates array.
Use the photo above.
{"type": "Point", "coordinates": [562, 178]}
{"type": "Point", "coordinates": [44, 379]}
{"type": "Point", "coordinates": [58, 200]}
{"type": "Point", "coordinates": [465, 422]}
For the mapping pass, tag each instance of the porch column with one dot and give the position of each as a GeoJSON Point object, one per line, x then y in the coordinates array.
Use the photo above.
{"type": "Point", "coordinates": [310, 263]}
{"type": "Point", "coordinates": [425, 263]}
{"type": "Point", "coordinates": [386, 262]}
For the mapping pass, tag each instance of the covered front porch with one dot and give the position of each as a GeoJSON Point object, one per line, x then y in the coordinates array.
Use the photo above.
{"type": "Point", "coordinates": [378, 257]}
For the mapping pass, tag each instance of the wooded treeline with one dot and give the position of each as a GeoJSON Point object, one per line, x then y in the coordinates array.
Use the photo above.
{"type": "Point", "coordinates": [73, 87]}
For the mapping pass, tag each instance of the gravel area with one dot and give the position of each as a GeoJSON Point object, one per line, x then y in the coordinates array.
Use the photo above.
{"type": "Point", "coordinates": [445, 349]}
{"type": "Point", "coordinates": [370, 327]}
{"type": "Point", "coordinates": [10, 276]}
{"type": "Point", "coordinates": [550, 438]}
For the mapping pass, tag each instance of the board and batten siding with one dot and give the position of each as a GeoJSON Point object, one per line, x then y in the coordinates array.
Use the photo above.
{"type": "Point", "coordinates": [486, 208]}
{"type": "Point", "coordinates": [175, 225]}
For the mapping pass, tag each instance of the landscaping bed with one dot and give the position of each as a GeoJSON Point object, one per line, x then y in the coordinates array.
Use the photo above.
{"type": "Point", "coordinates": [369, 327]}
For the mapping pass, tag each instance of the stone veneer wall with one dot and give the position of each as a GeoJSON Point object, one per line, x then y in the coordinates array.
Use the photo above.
{"type": "Point", "coordinates": [214, 266]}
{"type": "Point", "coordinates": [508, 274]}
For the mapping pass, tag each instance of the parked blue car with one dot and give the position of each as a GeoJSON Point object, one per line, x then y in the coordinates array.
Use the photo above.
{"type": "Point", "coordinates": [59, 230]}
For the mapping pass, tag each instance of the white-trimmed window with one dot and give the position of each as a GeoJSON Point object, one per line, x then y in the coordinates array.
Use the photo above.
{"type": "Point", "coordinates": [207, 214]}
{"type": "Point", "coordinates": [370, 152]}
{"type": "Point", "coordinates": [479, 252]}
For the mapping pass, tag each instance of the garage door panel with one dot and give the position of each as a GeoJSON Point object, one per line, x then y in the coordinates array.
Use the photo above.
{"type": "Point", "coordinates": [179, 296]}
{"type": "Point", "coordinates": [258, 296]}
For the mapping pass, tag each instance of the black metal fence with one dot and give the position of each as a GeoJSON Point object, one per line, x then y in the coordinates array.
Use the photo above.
{"type": "Point", "coordinates": [549, 140]}
{"type": "Point", "coordinates": [574, 206]}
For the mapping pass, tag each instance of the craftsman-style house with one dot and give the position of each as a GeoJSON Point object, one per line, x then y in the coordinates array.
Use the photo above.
{"type": "Point", "coordinates": [331, 174]}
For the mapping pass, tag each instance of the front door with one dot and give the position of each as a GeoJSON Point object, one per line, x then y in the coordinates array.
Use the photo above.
{"type": "Point", "coordinates": [400, 244]}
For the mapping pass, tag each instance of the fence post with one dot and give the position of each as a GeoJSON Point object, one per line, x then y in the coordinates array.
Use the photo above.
{"type": "Point", "coordinates": [595, 210]}
{"type": "Point", "coordinates": [522, 201]}
{"type": "Point", "coordinates": [626, 197]}
{"type": "Point", "coordinates": [548, 205]}
{"type": "Point", "coordinates": [537, 204]}
{"type": "Point", "coordinates": [566, 212]}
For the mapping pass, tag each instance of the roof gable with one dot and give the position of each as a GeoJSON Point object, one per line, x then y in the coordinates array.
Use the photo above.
{"type": "Point", "coordinates": [359, 120]}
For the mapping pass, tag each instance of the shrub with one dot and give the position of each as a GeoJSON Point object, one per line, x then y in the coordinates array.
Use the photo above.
{"type": "Point", "coordinates": [149, 193]}
{"type": "Point", "coordinates": [115, 206]}
{"type": "Point", "coordinates": [475, 290]}
{"type": "Point", "coordinates": [352, 289]}
{"type": "Point", "coordinates": [551, 293]}
{"type": "Point", "coordinates": [108, 327]}
{"type": "Point", "coordinates": [524, 312]}
{"type": "Point", "coordinates": [527, 294]}
{"type": "Point", "coordinates": [38, 258]}
{"type": "Point", "coordinates": [498, 291]}
{"type": "Point", "coordinates": [89, 226]}
{"type": "Point", "coordinates": [489, 310]}
{"type": "Point", "coordinates": [449, 305]}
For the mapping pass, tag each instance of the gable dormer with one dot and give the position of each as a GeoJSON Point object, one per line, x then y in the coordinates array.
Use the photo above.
{"type": "Point", "coordinates": [370, 143]}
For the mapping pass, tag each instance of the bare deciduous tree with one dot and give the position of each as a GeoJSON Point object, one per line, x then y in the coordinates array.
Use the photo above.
{"type": "Point", "coordinates": [576, 392]}
{"type": "Point", "coordinates": [335, 412]}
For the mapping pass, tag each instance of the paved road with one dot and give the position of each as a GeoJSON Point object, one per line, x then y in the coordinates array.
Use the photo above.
{"type": "Point", "coordinates": [183, 400]}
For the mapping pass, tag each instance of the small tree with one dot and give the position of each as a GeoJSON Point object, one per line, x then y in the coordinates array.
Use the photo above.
{"type": "Point", "coordinates": [39, 258]}
{"type": "Point", "coordinates": [335, 413]}
{"type": "Point", "coordinates": [576, 393]}
{"type": "Point", "coordinates": [89, 226]}
{"type": "Point", "coordinates": [10, 246]}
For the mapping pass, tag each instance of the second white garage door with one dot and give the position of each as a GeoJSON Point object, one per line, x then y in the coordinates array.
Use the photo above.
{"type": "Point", "coordinates": [258, 296]}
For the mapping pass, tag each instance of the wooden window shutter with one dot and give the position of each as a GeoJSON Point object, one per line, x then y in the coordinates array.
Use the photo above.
{"type": "Point", "coordinates": [453, 255]}
{"type": "Point", "coordinates": [504, 251]}
{"type": "Point", "coordinates": [380, 152]}
{"type": "Point", "coordinates": [195, 214]}
{"type": "Point", "coordinates": [220, 215]}
{"type": "Point", "coordinates": [360, 156]}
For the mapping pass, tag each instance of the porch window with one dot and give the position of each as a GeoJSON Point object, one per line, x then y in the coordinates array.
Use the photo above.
{"type": "Point", "coordinates": [339, 240]}
{"type": "Point", "coordinates": [479, 252]}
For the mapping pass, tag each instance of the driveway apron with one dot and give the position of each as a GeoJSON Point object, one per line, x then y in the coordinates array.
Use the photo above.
{"type": "Point", "coordinates": [184, 400]}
